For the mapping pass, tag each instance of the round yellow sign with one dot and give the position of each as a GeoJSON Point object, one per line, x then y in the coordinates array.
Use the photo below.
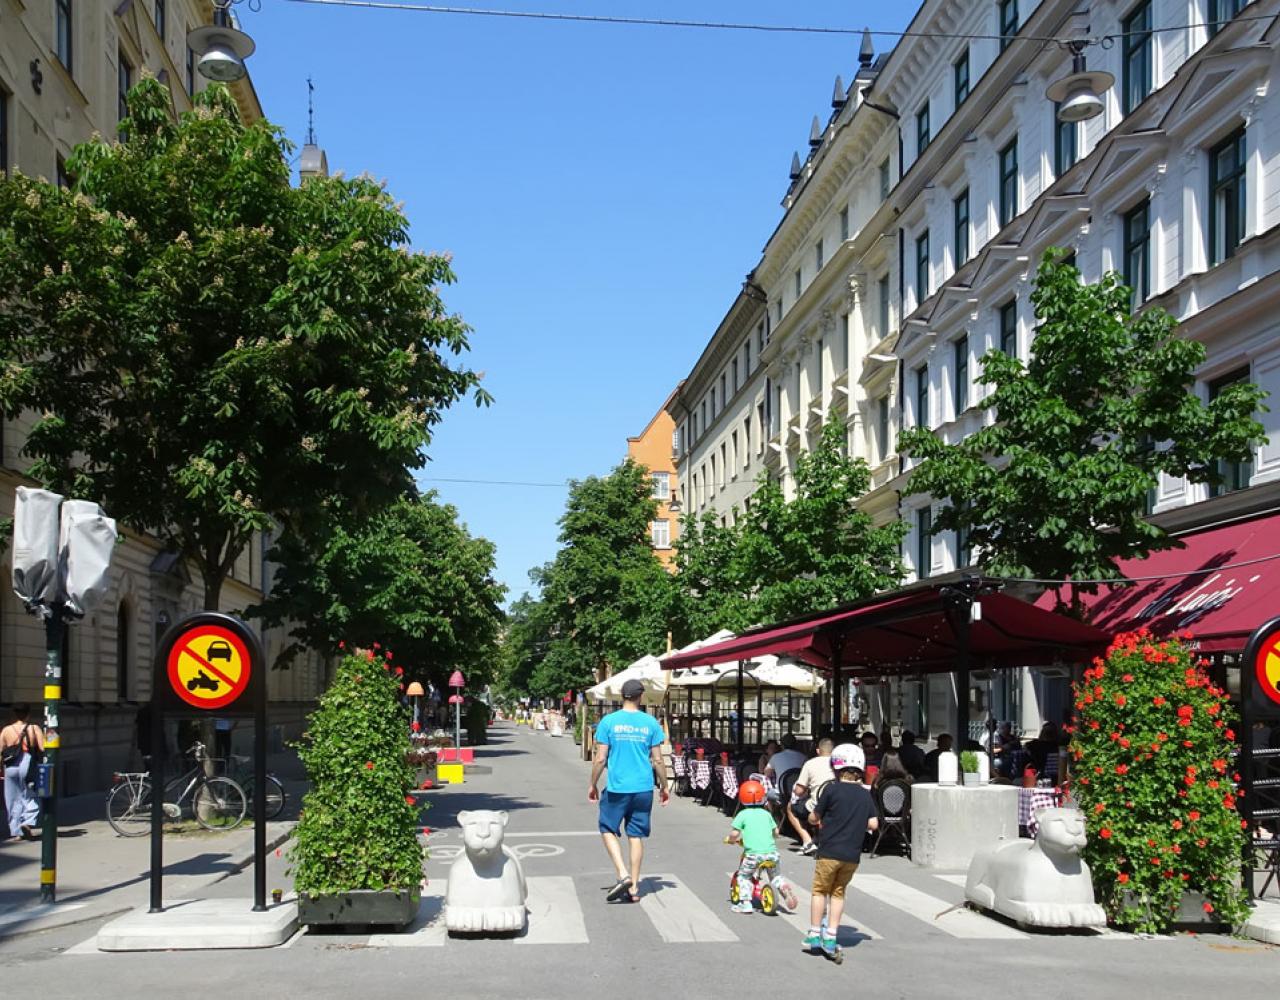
{"type": "Point", "coordinates": [209, 667]}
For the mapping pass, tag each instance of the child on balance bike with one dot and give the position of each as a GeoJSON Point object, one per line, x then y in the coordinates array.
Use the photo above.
{"type": "Point", "coordinates": [757, 876]}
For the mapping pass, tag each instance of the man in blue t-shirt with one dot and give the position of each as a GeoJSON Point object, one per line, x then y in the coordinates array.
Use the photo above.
{"type": "Point", "coordinates": [629, 744]}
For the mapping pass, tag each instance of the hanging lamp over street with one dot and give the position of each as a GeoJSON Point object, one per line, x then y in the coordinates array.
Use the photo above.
{"type": "Point", "coordinates": [1079, 94]}
{"type": "Point", "coordinates": [221, 48]}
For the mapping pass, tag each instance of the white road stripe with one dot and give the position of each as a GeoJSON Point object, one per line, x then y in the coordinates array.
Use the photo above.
{"type": "Point", "coordinates": [89, 947]}
{"type": "Point", "coordinates": [427, 929]}
{"type": "Point", "coordinates": [800, 918]}
{"type": "Point", "coordinates": [958, 922]}
{"type": "Point", "coordinates": [555, 914]}
{"type": "Point", "coordinates": [678, 915]}
{"type": "Point", "coordinates": [954, 879]}
{"type": "Point", "coordinates": [28, 913]}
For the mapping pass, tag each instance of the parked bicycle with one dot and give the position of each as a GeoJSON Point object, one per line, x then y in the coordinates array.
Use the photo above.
{"type": "Point", "coordinates": [241, 773]}
{"type": "Point", "coordinates": [217, 803]}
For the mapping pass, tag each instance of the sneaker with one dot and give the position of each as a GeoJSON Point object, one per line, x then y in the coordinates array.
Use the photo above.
{"type": "Point", "coordinates": [830, 947]}
{"type": "Point", "coordinates": [812, 943]}
{"type": "Point", "coordinates": [742, 908]}
{"type": "Point", "coordinates": [809, 849]}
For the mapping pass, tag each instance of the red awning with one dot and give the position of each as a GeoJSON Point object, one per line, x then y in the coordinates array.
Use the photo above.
{"type": "Point", "coordinates": [912, 631]}
{"type": "Point", "coordinates": [1220, 586]}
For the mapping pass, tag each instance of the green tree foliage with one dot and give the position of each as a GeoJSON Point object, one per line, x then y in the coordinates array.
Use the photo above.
{"type": "Point", "coordinates": [604, 600]}
{"type": "Point", "coordinates": [358, 827]}
{"type": "Point", "coordinates": [410, 576]}
{"type": "Point", "coordinates": [1056, 486]}
{"type": "Point", "coordinates": [206, 349]}
{"type": "Point", "coordinates": [782, 558]}
{"type": "Point", "coordinates": [1154, 754]}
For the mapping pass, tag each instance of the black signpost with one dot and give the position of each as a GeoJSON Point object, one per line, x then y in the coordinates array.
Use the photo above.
{"type": "Point", "coordinates": [208, 664]}
{"type": "Point", "coordinates": [1259, 766]}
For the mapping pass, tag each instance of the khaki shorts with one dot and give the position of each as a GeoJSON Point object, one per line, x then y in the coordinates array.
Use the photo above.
{"type": "Point", "coordinates": [831, 876]}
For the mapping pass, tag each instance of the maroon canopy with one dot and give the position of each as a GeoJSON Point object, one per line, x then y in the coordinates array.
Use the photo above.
{"type": "Point", "coordinates": [1220, 586]}
{"type": "Point", "coordinates": [913, 631]}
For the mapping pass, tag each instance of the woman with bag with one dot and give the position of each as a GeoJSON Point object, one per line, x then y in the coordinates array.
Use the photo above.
{"type": "Point", "coordinates": [20, 743]}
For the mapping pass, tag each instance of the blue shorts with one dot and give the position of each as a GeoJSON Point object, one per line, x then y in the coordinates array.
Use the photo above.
{"type": "Point", "coordinates": [633, 808]}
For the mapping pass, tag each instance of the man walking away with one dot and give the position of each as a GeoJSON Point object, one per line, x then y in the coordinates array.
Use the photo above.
{"type": "Point", "coordinates": [629, 744]}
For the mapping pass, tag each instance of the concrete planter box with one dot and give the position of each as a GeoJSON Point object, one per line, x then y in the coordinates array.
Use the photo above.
{"type": "Point", "coordinates": [360, 908]}
{"type": "Point", "coordinates": [1191, 915]}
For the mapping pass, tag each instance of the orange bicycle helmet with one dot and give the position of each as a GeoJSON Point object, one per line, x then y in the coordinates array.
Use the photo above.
{"type": "Point", "coordinates": [751, 793]}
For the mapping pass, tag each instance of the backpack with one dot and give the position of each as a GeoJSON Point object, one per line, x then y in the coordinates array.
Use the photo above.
{"type": "Point", "coordinates": [12, 755]}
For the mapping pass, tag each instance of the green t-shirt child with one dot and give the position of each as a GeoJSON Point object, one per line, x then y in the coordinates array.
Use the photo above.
{"type": "Point", "coordinates": [757, 828]}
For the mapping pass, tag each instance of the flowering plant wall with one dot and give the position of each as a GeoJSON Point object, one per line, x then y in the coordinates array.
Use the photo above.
{"type": "Point", "coordinates": [1154, 749]}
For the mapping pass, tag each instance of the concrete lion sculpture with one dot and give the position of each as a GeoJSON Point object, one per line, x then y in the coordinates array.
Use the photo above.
{"type": "Point", "coordinates": [1042, 882]}
{"type": "Point", "coordinates": [487, 891]}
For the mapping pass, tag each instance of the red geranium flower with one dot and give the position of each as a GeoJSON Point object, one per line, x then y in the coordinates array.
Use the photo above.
{"type": "Point", "coordinates": [1127, 678]}
{"type": "Point", "coordinates": [1158, 700]}
{"type": "Point", "coordinates": [1193, 815]}
{"type": "Point", "coordinates": [1104, 833]}
{"type": "Point", "coordinates": [1121, 700]}
{"type": "Point", "coordinates": [368, 765]}
{"type": "Point", "coordinates": [1122, 769]}
{"type": "Point", "coordinates": [1229, 734]}
{"type": "Point", "coordinates": [1122, 878]}
{"type": "Point", "coordinates": [1177, 824]}
{"type": "Point", "coordinates": [1208, 907]}
{"type": "Point", "coordinates": [399, 671]}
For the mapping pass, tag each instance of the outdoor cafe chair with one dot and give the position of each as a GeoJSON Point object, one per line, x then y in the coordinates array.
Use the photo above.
{"type": "Point", "coordinates": [728, 787]}
{"type": "Point", "coordinates": [680, 772]}
{"type": "Point", "coordinates": [893, 803]}
{"type": "Point", "coordinates": [700, 778]}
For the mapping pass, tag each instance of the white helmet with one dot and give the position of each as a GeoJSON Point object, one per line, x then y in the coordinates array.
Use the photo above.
{"type": "Point", "coordinates": [848, 755]}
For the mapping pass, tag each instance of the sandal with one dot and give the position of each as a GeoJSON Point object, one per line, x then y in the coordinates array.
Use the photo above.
{"type": "Point", "coordinates": [621, 888]}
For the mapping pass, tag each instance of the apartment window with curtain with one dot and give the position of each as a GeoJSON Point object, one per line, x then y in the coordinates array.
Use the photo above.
{"type": "Point", "coordinates": [882, 427]}
{"type": "Point", "coordinates": [1066, 149]}
{"type": "Point", "coordinates": [1235, 475]}
{"type": "Point", "coordinates": [960, 77]}
{"type": "Point", "coordinates": [778, 311]}
{"type": "Point", "coordinates": [1009, 328]}
{"type": "Point", "coordinates": [798, 280]}
{"type": "Point", "coordinates": [762, 421]}
{"type": "Point", "coordinates": [661, 485]}
{"type": "Point", "coordinates": [1221, 11]}
{"type": "Point", "coordinates": [1136, 57]}
{"type": "Point", "coordinates": [882, 305]}
{"type": "Point", "coordinates": [818, 258]}
{"type": "Point", "coordinates": [160, 19]}
{"type": "Point", "coordinates": [924, 542]}
{"type": "Point", "coordinates": [886, 182]}
{"type": "Point", "coordinates": [746, 443]}
{"type": "Point", "coordinates": [922, 267]}
{"type": "Point", "coordinates": [922, 129]}
{"type": "Point", "coordinates": [124, 80]}
{"type": "Point", "coordinates": [713, 405]}
{"type": "Point", "coordinates": [191, 72]}
{"type": "Point", "coordinates": [714, 482]}
{"type": "Point", "coordinates": [922, 396]}
{"type": "Point", "coordinates": [724, 396]}
{"type": "Point", "coordinates": [960, 371]}
{"type": "Point", "coordinates": [844, 224]}
{"type": "Point", "coordinates": [960, 223]}
{"type": "Point", "coordinates": [1227, 162]}
{"type": "Point", "coordinates": [724, 465]}
{"type": "Point", "coordinates": [4, 132]}
{"type": "Point", "coordinates": [1008, 22]}
{"type": "Point", "coordinates": [660, 533]}
{"type": "Point", "coordinates": [1009, 182]}
{"type": "Point", "coordinates": [64, 32]}
{"type": "Point", "coordinates": [964, 550]}
{"type": "Point", "coordinates": [1137, 251]}
{"type": "Point", "coordinates": [736, 383]}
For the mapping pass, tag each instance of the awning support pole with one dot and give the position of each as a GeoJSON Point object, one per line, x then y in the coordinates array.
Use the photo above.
{"type": "Point", "coordinates": [742, 665]}
{"type": "Point", "coordinates": [837, 685]}
{"type": "Point", "coordinates": [964, 618]}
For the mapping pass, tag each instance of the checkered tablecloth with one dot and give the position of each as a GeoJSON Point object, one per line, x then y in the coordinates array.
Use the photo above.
{"type": "Point", "coordinates": [700, 774]}
{"type": "Point", "coordinates": [1031, 801]}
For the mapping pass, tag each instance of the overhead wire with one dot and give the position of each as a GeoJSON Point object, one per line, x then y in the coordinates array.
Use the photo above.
{"type": "Point", "coordinates": [492, 482]}
{"type": "Point", "coordinates": [666, 22]}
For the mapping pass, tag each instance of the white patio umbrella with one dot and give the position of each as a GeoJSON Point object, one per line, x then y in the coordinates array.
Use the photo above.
{"type": "Point", "coordinates": [773, 672]}
{"type": "Point", "coordinates": [647, 670]}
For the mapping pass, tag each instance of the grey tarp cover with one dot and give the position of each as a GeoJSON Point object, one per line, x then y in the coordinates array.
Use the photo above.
{"type": "Point", "coordinates": [88, 540]}
{"type": "Point", "coordinates": [35, 547]}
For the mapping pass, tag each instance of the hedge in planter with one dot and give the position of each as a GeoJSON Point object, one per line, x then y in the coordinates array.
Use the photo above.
{"type": "Point", "coordinates": [358, 827]}
{"type": "Point", "coordinates": [1153, 750]}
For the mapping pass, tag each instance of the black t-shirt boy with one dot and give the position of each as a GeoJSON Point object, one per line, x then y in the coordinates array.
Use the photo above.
{"type": "Point", "coordinates": [845, 807]}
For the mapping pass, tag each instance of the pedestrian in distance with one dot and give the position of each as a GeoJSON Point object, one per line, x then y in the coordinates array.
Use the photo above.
{"type": "Point", "coordinates": [21, 747]}
{"type": "Point", "coordinates": [845, 814]}
{"type": "Point", "coordinates": [629, 746]}
{"type": "Point", "coordinates": [754, 828]}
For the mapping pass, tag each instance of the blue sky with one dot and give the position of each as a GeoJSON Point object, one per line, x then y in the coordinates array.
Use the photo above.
{"type": "Point", "coordinates": [603, 189]}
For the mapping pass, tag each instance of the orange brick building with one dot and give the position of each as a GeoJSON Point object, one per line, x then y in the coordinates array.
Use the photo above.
{"type": "Point", "coordinates": [655, 449]}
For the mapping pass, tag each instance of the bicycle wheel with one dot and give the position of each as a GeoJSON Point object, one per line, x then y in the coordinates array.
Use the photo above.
{"type": "Point", "coordinates": [219, 804]}
{"type": "Point", "coordinates": [275, 796]}
{"type": "Point", "coordinates": [129, 808]}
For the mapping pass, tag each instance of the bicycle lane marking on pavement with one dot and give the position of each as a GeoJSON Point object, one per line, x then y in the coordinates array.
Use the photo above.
{"type": "Point", "coordinates": [678, 915]}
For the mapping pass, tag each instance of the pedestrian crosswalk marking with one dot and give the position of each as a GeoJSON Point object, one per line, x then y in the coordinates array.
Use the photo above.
{"type": "Point", "coordinates": [959, 880]}
{"type": "Point", "coordinates": [956, 921]}
{"type": "Point", "coordinates": [677, 914]}
{"type": "Point", "coordinates": [800, 918]}
{"type": "Point", "coordinates": [555, 915]}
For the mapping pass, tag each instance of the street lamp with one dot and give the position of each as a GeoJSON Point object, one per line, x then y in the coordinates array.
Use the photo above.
{"type": "Point", "coordinates": [457, 683]}
{"type": "Point", "coordinates": [221, 48]}
{"type": "Point", "coordinates": [415, 691]}
{"type": "Point", "coordinates": [1079, 94]}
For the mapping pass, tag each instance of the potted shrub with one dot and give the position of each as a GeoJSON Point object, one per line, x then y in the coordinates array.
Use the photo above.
{"type": "Point", "coordinates": [1153, 750]}
{"type": "Point", "coordinates": [356, 858]}
{"type": "Point", "coordinates": [969, 767]}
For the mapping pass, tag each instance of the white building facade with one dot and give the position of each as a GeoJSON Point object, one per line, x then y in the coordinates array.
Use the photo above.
{"type": "Point", "coordinates": [912, 232]}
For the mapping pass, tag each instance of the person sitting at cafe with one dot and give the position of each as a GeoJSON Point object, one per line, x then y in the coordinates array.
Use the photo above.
{"type": "Point", "coordinates": [1043, 748]}
{"type": "Point", "coordinates": [766, 755]}
{"type": "Point", "coordinates": [891, 769]}
{"type": "Point", "coordinates": [804, 794]}
{"type": "Point", "coordinates": [911, 755]}
{"type": "Point", "coordinates": [786, 759]}
{"type": "Point", "coordinates": [931, 758]}
{"type": "Point", "coordinates": [871, 748]}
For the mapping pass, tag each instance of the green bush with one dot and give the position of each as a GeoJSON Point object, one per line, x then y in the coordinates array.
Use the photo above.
{"type": "Point", "coordinates": [358, 827]}
{"type": "Point", "coordinates": [1153, 752]}
{"type": "Point", "coordinates": [476, 719]}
